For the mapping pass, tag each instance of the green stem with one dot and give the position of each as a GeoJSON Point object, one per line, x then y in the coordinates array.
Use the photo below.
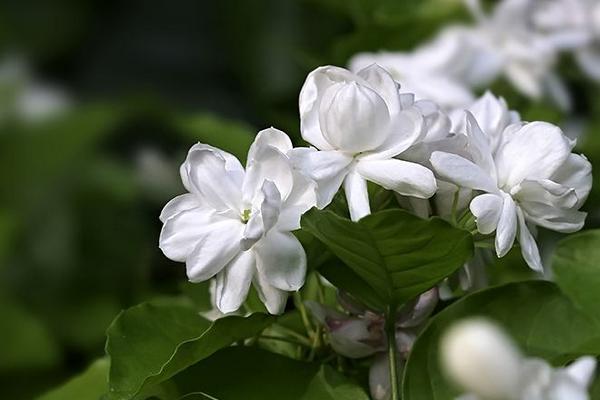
{"type": "Point", "coordinates": [392, 354]}
{"type": "Point", "coordinates": [303, 314]}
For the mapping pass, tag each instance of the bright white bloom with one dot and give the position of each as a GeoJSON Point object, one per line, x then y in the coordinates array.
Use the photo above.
{"type": "Point", "coordinates": [235, 225]}
{"type": "Point", "coordinates": [478, 356]}
{"type": "Point", "coordinates": [527, 58]}
{"type": "Point", "coordinates": [572, 25]}
{"type": "Point", "coordinates": [525, 174]}
{"type": "Point", "coordinates": [358, 123]}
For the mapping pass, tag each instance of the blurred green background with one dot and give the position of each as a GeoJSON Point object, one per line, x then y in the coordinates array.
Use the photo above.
{"type": "Point", "coordinates": [81, 188]}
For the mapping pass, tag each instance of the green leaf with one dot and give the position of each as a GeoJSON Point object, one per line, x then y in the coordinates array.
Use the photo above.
{"type": "Point", "coordinates": [250, 373]}
{"type": "Point", "coordinates": [576, 267]}
{"type": "Point", "coordinates": [89, 385]}
{"type": "Point", "coordinates": [539, 317]}
{"type": "Point", "coordinates": [393, 255]}
{"type": "Point", "coordinates": [150, 343]}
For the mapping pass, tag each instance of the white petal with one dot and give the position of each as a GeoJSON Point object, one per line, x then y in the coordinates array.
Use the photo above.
{"type": "Point", "coordinates": [576, 173]}
{"type": "Point", "coordinates": [355, 187]}
{"type": "Point", "coordinates": [382, 82]}
{"type": "Point", "coordinates": [233, 282]}
{"type": "Point", "coordinates": [554, 218]}
{"type": "Point", "coordinates": [264, 215]}
{"type": "Point", "coordinates": [403, 177]}
{"type": "Point", "coordinates": [492, 115]}
{"type": "Point", "coordinates": [529, 248]}
{"type": "Point", "coordinates": [534, 152]}
{"type": "Point", "coordinates": [327, 168]}
{"type": "Point", "coordinates": [214, 250]}
{"type": "Point", "coordinates": [178, 204]}
{"type": "Point", "coordinates": [545, 191]}
{"type": "Point", "coordinates": [462, 172]}
{"type": "Point", "coordinates": [317, 82]}
{"type": "Point", "coordinates": [181, 233]}
{"type": "Point", "coordinates": [406, 129]}
{"type": "Point", "coordinates": [267, 163]}
{"type": "Point", "coordinates": [481, 358]}
{"type": "Point", "coordinates": [302, 199]}
{"type": "Point", "coordinates": [353, 117]}
{"type": "Point", "coordinates": [274, 299]}
{"type": "Point", "coordinates": [270, 137]}
{"type": "Point", "coordinates": [487, 209]}
{"type": "Point", "coordinates": [282, 260]}
{"type": "Point", "coordinates": [216, 177]}
{"type": "Point", "coordinates": [582, 370]}
{"type": "Point", "coordinates": [479, 147]}
{"type": "Point", "coordinates": [507, 227]}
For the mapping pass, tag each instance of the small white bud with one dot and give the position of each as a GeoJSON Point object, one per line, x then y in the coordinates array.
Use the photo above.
{"type": "Point", "coordinates": [478, 356]}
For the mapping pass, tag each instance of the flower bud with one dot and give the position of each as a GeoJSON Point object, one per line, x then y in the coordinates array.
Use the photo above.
{"type": "Point", "coordinates": [478, 356]}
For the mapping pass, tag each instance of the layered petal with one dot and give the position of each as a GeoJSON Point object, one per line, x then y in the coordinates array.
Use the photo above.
{"type": "Point", "coordinates": [534, 152]}
{"type": "Point", "coordinates": [282, 260]}
{"type": "Point", "coordinates": [355, 187]}
{"type": "Point", "coordinates": [462, 172]}
{"type": "Point", "coordinates": [264, 215]}
{"type": "Point", "coordinates": [302, 198]}
{"type": "Point", "coordinates": [576, 173]}
{"type": "Point", "coordinates": [565, 220]}
{"type": "Point", "coordinates": [267, 163]}
{"type": "Point", "coordinates": [479, 147]}
{"type": "Point", "coordinates": [181, 232]}
{"type": "Point", "coordinates": [487, 209]}
{"type": "Point", "coordinates": [403, 177]}
{"type": "Point", "coordinates": [274, 299]}
{"type": "Point", "coordinates": [529, 248]}
{"type": "Point", "coordinates": [310, 100]}
{"type": "Point", "coordinates": [233, 282]}
{"type": "Point", "coordinates": [270, 137]}
{"type": "Point", "coordinates": [384, 84]}
{"type": "Point", "coordinates": [214, 250]}
{"type": "Point", "coordinates": [405, 130]}
{"type": "Point", "coordinates": [327, 168]}
{"type": "Point", "coordinates": [217, 176]}
{"type": "Point", "coordinates": [179, 204]}
{"type": "Point", "coordinates": [507, 226]}
{"type": "Point", "coordinates": [353, 117]}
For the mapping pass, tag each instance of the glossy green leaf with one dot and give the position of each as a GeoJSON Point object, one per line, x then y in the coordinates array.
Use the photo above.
{"type": "Point", "coordinates": [540, 318]}
{"type": "Point", "coordinates": [150, 343]}
{"type": "Point", "coordinates": [89, 385]}
{"type": "Point", "coordinates": [393, 254]}
{"type": "Point", "coordinates": [576, 266]}
{"type": "Point", "coordinates": [250, 373]}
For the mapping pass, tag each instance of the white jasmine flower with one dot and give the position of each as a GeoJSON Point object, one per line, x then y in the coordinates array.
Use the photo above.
{"type": "Point", "coordinates": [529, 178]}
{"type": "Point", "coordinates": [235, 225]}
{"type": "Point", "coordinates": [527, 57]}
{"type": "Point", "coordinates": [358, 123]}
{"type": "Point", "coordinates": [482, 359]}
{"type": "Point", "coordinates": [572, 25]}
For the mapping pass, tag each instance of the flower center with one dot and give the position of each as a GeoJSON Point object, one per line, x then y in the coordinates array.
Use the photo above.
{"type": "Point", "coordinates": [246, 215]}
